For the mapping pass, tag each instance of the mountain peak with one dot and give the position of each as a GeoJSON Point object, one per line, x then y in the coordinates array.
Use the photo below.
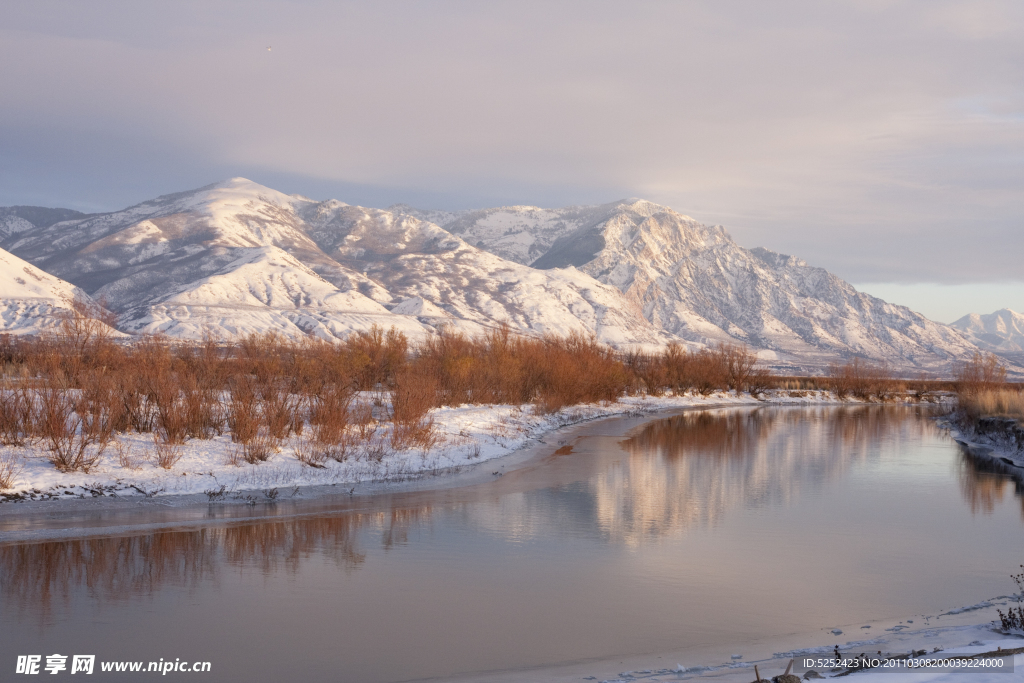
{"type": "Point", "coordinates": [1001, 331]}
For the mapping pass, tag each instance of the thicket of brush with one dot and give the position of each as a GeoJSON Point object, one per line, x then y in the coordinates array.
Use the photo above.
{"type": "Point", "coordinates": [983, 391]}
{"type": "Point", "coordinates": [75, 390]}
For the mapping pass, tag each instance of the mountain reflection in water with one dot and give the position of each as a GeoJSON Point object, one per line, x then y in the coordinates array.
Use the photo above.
{"type": "Point", "coordinates": [689, 470]}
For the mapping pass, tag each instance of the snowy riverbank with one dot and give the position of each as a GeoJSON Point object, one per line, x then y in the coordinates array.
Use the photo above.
{"type": "Point", "coordinates": [467, 435]}
{"type": "Point", "coordinates": [954, 633]}
{"type": "Point", "coordinates": [996, 441]}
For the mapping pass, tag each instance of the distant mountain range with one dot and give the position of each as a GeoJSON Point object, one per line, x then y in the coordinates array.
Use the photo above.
{"type": "Point", "coordinates": [1001, 332]}
{"type": "Point", "coordinates": [237, 257]}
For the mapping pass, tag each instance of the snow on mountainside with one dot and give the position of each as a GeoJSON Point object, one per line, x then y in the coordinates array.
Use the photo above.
{"type": "Point", "coordinates": [18, 218]}
{"type": "Point", "coordinates": [237, 257]}
{"type": "Point", "coordinates": [693, 281]}
{"type": "Point", "coordinates": [31, 300]}
{"type": "Point", "coordinates": [1001, 332]}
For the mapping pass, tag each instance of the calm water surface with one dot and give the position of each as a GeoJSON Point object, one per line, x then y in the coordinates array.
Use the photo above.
{"type": "Point", "coordinates": [710, 527]}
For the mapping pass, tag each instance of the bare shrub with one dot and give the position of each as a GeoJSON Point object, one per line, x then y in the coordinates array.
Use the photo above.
{"type": "Point", "coordinates": [310, 451]}
{"type": "Point", "coordinates": [17, 414]}
{"type": "Point", "coordinates": [676, 362]}
{"type": "Point", "coordinates": [649, 370]}
{"type": "Point", "coordinates": [362, 418]}
{"type": "Point", "coordinates": [279, 409]}
{"type": "Point", "coordinates": [260, 447]}
{"type": "Point", "coordinates": [98, 408]}
{"type": "Point", "coordinates": [10, 468]}
{"type": "Point", "coordinates": [577, 369]}
{"type": "Point", "coordinates": [201, 413]}
{"type": "Point", "coordinates": [737, 364]}
{"type": "Point", "coordinates": [1013, 620]}
{"type": "Point", "coordinates": [985, 371]}
{"type": "Point", "coordinates": [376, 355]}
{"type": "Point", "coordinates": [708, 372]}
{"type": "Point", "coordinates": [377, 447]}
{"type": "Point", "coordinates": [760, 381]}
{"type": "Point", "coordinates": [329, 418]}
{"type": "Point", "coordinates": [166, 453]}
{"type": "Point", "coordinates": [61, 428]}
{"type": "Point", "coordinates": [244, 417]}
{"type": "Point", "coordinates": [125, 458]}
{"type": "Point", "coordinates": [412, 397]}
{"type": "Point", "coordinates": [861, 379]}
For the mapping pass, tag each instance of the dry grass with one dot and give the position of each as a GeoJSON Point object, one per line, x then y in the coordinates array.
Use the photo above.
{"type": "Point", "coordinates": [994, 403]}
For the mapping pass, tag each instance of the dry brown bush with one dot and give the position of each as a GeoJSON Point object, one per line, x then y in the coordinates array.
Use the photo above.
{"type": "Point", "coordinates": [17, 414]}
{"type": "Point", "coordinates": [861, 379]}
{"type": "Point", "coordinates": [10, 468]}
{"type": "Point", "coordinates": [738, 363]}
{"type": "Point", "coordinates": [60, 427]}
{"type": "Point", "coordinates": [265, 387]}
{"type": "Point", "coordinates": [984, 372]}
{"type": "Point", "coordinates": [650, 371]}
{"type": "Point", "coordinates": [708, 372]}
{"type": "Point", "coordinates": [260, 447]}
{"type": "Point", "coordinates": [329, 413]}
{"type": "Point", "coordinates": [166, 453]}
{"type": "Point", "coordinates": [413, 394]}
{"type": "Point", "coordinates": [243, 410]}
{"type": "Point", "coordinates": [577, 369]}
{"type": "Point", "coordinates": [125, 457]}
{"type": "Point", "coordinates": [376, 356]}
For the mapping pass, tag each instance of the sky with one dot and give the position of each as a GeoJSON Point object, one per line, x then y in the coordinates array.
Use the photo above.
{"type": "Point", "coordinates": [881, 140]}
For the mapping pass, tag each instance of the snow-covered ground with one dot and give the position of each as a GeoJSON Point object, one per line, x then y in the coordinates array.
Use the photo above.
{"type": "Point", "coordinates": [953, 634]}
{"type": "Point", "coordinates": [999, 448]}
{"type": "Point", "coordinates": [468, 435]}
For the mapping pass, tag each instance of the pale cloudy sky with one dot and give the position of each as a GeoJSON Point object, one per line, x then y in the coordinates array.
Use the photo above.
{"type": "Point", "coordinates": [882, 140]}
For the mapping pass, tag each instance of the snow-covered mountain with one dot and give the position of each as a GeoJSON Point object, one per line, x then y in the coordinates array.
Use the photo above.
{"type": "Point", "coordinates": [237, 257]}
{"type": "Point", "coordinates": [694, 281]}
{"type": "Point", "coordinates": [15, 219]}
{"type": "Point", "coordinates": [1001, 332]}
{"type": "Point", "coordinates": [30, 300]}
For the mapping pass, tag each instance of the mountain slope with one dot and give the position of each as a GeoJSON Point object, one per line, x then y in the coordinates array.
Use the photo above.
{"type": "Point", "coordinates": [236, 257]}
{"type": "Point", "coordinates": [30, 300]}
{"type": "Point", "coordinates": [694, 281]}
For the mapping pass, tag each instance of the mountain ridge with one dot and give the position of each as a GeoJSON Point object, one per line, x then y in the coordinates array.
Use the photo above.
{"type": "Point", "coordinates": [236, 256]}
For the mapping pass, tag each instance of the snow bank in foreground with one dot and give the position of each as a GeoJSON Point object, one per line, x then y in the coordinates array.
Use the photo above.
{"type": "Point", "coordinates": [956, 643]}
{"type": "Point", "coordinates": [469, 434]}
